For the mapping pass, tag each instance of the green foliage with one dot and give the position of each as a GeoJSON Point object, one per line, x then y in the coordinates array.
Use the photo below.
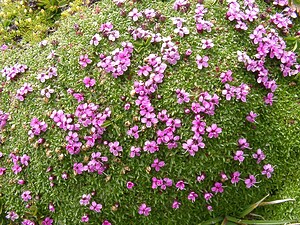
{"type": "Point", "coordinates": [31, 20]}
{"type": "Point", "coordinates": [276, 131]}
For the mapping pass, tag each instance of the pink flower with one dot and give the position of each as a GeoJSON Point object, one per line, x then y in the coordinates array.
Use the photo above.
{"type": "Point", "coordinates": [213, 131]}
{"type": "Point", "coordinates": [47, 221]}
{"type": "Point", "coordinates": [226, 77]}
{"type": "Point", "coordinates": [134, 151]}
{"type": "Point", "coordinates": [85, 218]}
{"type": "Point", "coordinates": [144, 210]}
{"type": "Point", "coordinates": [89, 82]}
{"type": "Point", "coordinates": [206, 44]}
{"type": "Point", "coordinates": [115, 148]}
{"type": "Point", "coordinates": [134, 14]}
{"type": "Point", "coordinates": [106, 222]}
{"type": "Point", "coordinates": [26, 196]}
{"type": "Point", "coordinates": [51, 207]}
{"type": "Point", "coordinates": [235, 178]}
{"type": "Point", "coordinates": [250, 181]}
{"type": "Point", "coordinates": [217, 188]}
{"type": "Point", "coordinates": [192, 196]}
{"type": "Point", "coordinates": [202, 61]}
{"type": "Point", "coordinates": [176, 204]}
{"type": "Point", "coordinates": [85, 199]}
{"type": "Point", "coordinates": [180, 185]}
{"type": "Point", "coordinates": [95, 207]}
{"type": "Point", "coordinates": [259, 155]}
{"type": "Point", "coordinates": [84, 60]}
{"type": "Point", "coordinates": [95, 40]}
{"type": "Point", "coordinates": [208, 196]}
{"type": "Point", "coordinates": [157, 165]}
{"type": "Point", "coordinates": [239, 156]}
{"type": "Point", "coordinates": [209, 208]}
{"type": "Point", "coordinates": [269, 99]}
{"type": "Point", "coordinates": [268, 170]}
{"type": "Point", "coordinates": [12, 215]}
{"type": "Point", "coordinates": [251, 117]}
{"type": "Point", "coordinates": [130, 185]}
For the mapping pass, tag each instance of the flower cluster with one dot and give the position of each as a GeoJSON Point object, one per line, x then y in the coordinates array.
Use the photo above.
{"type": "Point", "coordinates": [118, 62]}
{"type": "Point", "coordinates": [182, 96]}
{"type": "Point", "coordinates": [18, 162]}
{"type": "Point", "coordinates": [239, 92]}
{"type": "Point", "coordinates": [181, 5]}
{"type": "Point", "coordinates": [270, 44]}
{"type": "Point", "coordinates": [97, 164]}
{"type": "Point", "coordinates": [107, 31]}
{"type": "Point", "coordinates": [37, 127]}
{"type": "Point", "coordinates": [180, 29]}
{"type": "Point", "coordinates": [23, 91]}
{"type": "Point", "coordinates": [283, 20]}
{"type": "Point", "coordinates": [12, 72]}
{"type": "Point", "coordinates": [170, 51]}
{"type": "Point", "coordinates": [235, 13]}
{"type": "Point", "coordinates": [51, 72]}
{"type": "Point", "coordinates": [162, 183]}
{"type": "Point", "coordinates": [3, 119]}
{"type": "Point", "coordinates": [201, 24]}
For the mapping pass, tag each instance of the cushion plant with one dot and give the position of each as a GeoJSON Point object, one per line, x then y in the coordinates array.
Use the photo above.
{"type": "Point", "coordinates": [152, 112]}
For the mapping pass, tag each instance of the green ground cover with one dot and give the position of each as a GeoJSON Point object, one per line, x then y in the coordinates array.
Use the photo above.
{"type": "Point", "coordinates": [276, 130]}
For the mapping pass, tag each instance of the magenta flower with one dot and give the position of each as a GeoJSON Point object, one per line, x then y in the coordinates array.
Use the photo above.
{"type": "Point", "coordinates": [250, 181]}
{"type": "Point", "coordinates": [192, 196]}
{"type": "Point", "coordinates": [202, 61]}
{"type": "Point", "coordinates": [226, 77]}
{"type": "Point", "coordinates": [251, 117]}
{"type": "Point", "coordinates": [259, 155]}
{"type": "Point", "coordinates": [134, 131]}
{"type": "Point", "coordinates": [134, 14]}
{"type": "Point", "coordinates": [79, 168]}
{"type": "Point", "coordinates": [217, 188]}
{"type": "Point", "coordinates": [176, 204]}
{"type": "Point", "coordinates": [180, 185]}
{"type": "Point", "coordinates": [2, 170]}
{"type": "Point", "coordinates": [85, 199]}
{"type": "Point", "coordinates": [209, 208]}
{"type": "Point", "coordinates": [181, 31]}
{"type": "Point", "coordinates": [95, 40]}
{"type": "Point", "coordinates": [27, 222]}
{"type": "Point", "coordinates": [130, 185]}
{"type": "Point", "coordinates": [208, 196]}
{"type": "Point", "coordinates": [85, 218]}
{"type": "Point", "coordinates": [268, 170]}
{"type": "Point", "coordinates": [3, 47]}
{"type": "Point", "coordinates": [12, 215]}
{"type": "Point", "coordinates": [243, 144]}
{"type": "Point", "coordinates": [106, 222]}
{"type": "Point", "coordinates": [239, 156]}
{"type": "Point", "coordinates": [206, 44]}
{"type": "Point", "coordinates": [157, 165]}
{"type": "Point", "coordinates": [47, 221]}
{"type": "Point", "coordinates": [115, 148]}
{"type": "Point", "coordinates": [235, 178]}
{"type": "Point", "coordinates": [84, 60]}
{"type": "Point", "coordinates": [201, 177]}
{"type": "Point", "coordinates": [51, 207]}
{"type": "Point", "coordinates": [95, 207]}
{"type": "Point", "coordinates": [269, 99]}
{"type": "Point", "coordinates": [26, 196]}
{"type": "Point", "coordinates": [134, 151]}
{"type": "Point", "coordinates": [182, 96]}
{"type": "Point", "coordinates": [89, 82]}
{"type": "Point", "coordinates": [213, 131]}
{"type": "Point", "coordinates": [144, 210]}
